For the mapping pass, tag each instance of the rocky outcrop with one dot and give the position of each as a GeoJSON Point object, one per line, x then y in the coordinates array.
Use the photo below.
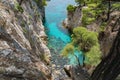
{"type": "Point", "coordinates": [107, 36]}
{"type": "Point", "coordinates": [73, 18]}
{"type": "Point", "coordinates": [23, 51]}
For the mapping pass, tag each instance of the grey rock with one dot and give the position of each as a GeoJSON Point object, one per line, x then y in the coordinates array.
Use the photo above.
{"type": "Point", "coordinates": [6, 52]}
{"type": "Point", "coordinates": [73, 18]}
{"type": "Point", "coordinates": [23, 41]}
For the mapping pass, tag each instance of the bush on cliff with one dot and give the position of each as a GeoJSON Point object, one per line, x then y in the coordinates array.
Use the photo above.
{"type": "Point", "coordinates": [85, 41]}
{"type": "Point", "coordinates": [70, 8]}
{"type": "Point", "coordinates": [18, 8]}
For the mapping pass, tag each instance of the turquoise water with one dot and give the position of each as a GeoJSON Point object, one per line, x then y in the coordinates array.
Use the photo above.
{"type": "Point", "coordinates": [55, 14]}
{"type": "Point", "coordinates": [58, 36]}
{"type": "Point", "coordinates": [76, 58]}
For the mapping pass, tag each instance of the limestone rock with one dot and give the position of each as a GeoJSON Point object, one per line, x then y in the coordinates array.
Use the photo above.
{"type": "Point", "coordinates": [23, 51]}
{"type": "Point", "coordinates": [73, 18]}
{"type": "Point", "coordinates": [106, 37]}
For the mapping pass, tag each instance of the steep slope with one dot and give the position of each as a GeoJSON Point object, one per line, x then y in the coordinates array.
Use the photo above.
{"type": "Point", "coordinates": [106, 24]}
{"type": "Point", "coordinates": [107, 29]}
{"type": "Point", "coordinates": [23, 51]}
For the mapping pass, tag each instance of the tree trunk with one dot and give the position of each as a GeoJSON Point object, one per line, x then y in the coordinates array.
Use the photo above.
{"type": "Point", "coordinates": [108, 12]}
{"type": "Point", "coordinates": [109, 68]}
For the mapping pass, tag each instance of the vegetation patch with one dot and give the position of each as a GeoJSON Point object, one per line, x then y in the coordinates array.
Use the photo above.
{"type": "Point", "coordinates": [71, 8]}
{"type": "Point", "coordinates": [18, 8]}
{"type": "Point", "coordinates": [85, 41]}
{"type": "Point", "coordinates": [44, 3]}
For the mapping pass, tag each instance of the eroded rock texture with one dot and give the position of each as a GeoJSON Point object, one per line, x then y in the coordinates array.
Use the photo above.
{"type": "Point", "coordinates": [23, 51]}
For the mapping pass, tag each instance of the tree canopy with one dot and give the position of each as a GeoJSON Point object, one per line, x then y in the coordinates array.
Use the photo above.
{"type": "Point", "coordinates": [91, 9]}
{"type": "Point", "coordinates": [86, 41]}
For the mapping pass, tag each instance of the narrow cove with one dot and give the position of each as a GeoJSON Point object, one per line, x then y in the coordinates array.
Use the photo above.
{"type": "Point", "coordinates": [58, 36]}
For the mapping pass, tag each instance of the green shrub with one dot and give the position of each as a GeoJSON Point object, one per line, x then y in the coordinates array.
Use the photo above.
{"type": "Point", "coordinates": [89, 16]}
{"type": "Point", "coordinates": [116, 5]}
{"type": "Point", "coordinates": [70, 8]}
{"type": "Point", "coordinates": [102, 27]}
{"type": "Point", "coordinates": [85, 41]}
{"type": "Point", "coordinates": [18, 8]}
{"type": "Point", "coordinates": [68, 49]}
{"type": "Point", "coordinates": [90, 10]}
{"type": "Point", "coordinates": [44, 3]}
{"type": "Point", "coordinates": [83, 38]}
{"type": "Point", "coordinates": [93, 56]}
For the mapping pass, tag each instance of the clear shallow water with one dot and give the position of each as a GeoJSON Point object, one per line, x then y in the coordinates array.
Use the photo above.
{"type": "Point", "coordinates": [58, 37]}
{"type": "Point", "coordinates": [74, 60]}
{"type": "Point", "coordinates": [55, 14]}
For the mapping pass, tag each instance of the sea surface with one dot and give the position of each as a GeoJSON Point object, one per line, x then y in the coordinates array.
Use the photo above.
{"type": "Point", "coordinates": [58, 36]}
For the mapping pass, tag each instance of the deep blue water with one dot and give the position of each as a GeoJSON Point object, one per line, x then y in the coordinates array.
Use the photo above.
{"type": "Point", "coordinates": [58, 36]}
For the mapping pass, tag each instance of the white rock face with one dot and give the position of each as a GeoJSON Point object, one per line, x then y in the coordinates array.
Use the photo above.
{"type": "Point", "coordinates": [23, 50]}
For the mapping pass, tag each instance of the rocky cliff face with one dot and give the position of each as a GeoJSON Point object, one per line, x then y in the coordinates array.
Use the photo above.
{"type": "Point", "coordinates": [106, 37]}
{"type": "Point", "coordinates": [73, 18]}
{"type": "Point", "coordinates": [23, 51]}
